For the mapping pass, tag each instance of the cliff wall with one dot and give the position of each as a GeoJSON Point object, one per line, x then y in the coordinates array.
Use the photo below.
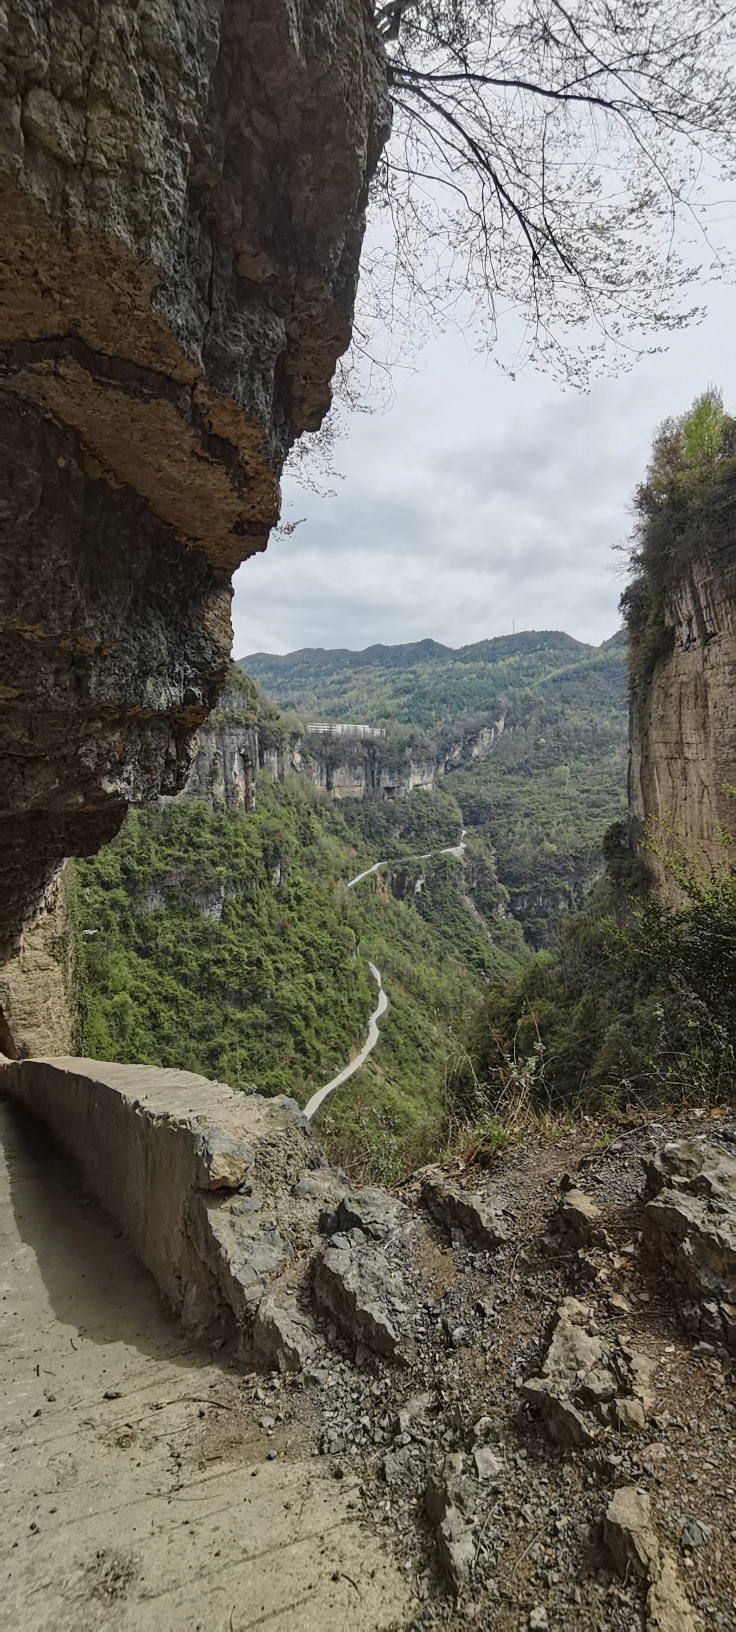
{"type": "Point", "coordinates": [35, 985]}
{"type": "Point", "coordinates": [232, 746]}
{"type": "Point", "coordinates": [683, 721]}
{"type": "Point", "coordinates": [182, 187]}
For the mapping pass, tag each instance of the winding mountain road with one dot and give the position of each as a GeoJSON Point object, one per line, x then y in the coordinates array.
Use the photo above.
{"type": "Point", "coordinates": [318, 1099]}
{"type": "Point", "coordinates": [360, 1059]}
{"type": "Point", "coordinates": [449, 850]}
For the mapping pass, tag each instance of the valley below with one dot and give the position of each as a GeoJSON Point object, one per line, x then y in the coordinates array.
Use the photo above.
{"type": "Point", "coordinates": [229, 930]}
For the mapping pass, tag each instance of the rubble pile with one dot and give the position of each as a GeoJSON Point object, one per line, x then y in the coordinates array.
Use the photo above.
{"type": "Point", "coordinates": [690, 1226]}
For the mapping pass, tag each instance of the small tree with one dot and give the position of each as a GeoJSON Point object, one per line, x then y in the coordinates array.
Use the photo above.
{"type": "Point", "coordinates": [548, 159]}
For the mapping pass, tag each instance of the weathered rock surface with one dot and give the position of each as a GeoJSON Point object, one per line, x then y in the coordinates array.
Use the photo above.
{"type": "Point", "coordinates": [683, 725]}
{"type": "Point", "coordinates": [225, 767]}
{"type": "Point", "coordinates": [635, 1548]}
{"type": "Point", "coordinates": [284, 1336]}
{"type": "Point", "coordinates": [693, 1167]}
{"type": "Point", "coordinates": [354, 1283]}
{"type": "Point", "coordinates": [578, 1220]}
{"type": "Point", "coordinates": [690, 1225]}
{"type": "Point", "coordinates": [35, 985]}
{"type": "Point", "coordinates": [372, 1211]}
{"type": "Point", "coordinates": [482, 1218]}
{"type": "Point", "coordinates": [449, 1506]}
{"type": "Point", "coordinates": [587, 1380]}
{"type": "Point", "coordinates": [183, 188]}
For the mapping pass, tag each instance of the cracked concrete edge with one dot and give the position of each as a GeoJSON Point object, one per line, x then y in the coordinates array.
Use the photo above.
{"type": "Point", "coordinates": [151, 1144]}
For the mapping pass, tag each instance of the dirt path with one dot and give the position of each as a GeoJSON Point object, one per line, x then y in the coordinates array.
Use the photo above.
{"type": "Point", "coordinates": [139, 1491]}
{"type": "Point", "coordinates": [360, 1059]}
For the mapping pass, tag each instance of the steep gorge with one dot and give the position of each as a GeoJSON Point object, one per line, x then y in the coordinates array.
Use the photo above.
{"type": "Point", "coordinates": [183, 191]}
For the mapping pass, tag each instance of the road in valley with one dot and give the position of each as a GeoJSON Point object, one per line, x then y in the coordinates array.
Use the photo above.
{"type": "Point", "coordinates": [449, 850]}
{"type": "Point", "coordinates": [360, 1059]}
{"type": "Point", "coordinates": [318, 1099]}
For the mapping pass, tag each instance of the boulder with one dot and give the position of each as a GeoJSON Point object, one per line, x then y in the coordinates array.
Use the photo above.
{"type": "Point", "coordinates": [373, 1211]}
{"type": "Point", "coordinates": [577, 1218]}
{"type": "Point", "coordinates": [629, 1533]}
{"type": "Point", "coordinates": [481, 1218]}
{"type": "Point", "coordinates": [690, 1227]}
{"type": "Point", "coordinates": [284, 1336]}
{"type": "Point", "coordinates": [413, 1412]}
{"type": "Point", "coordinates": [582, 1373]}
{"type": "Point", "coordinates": [691, 1165]}
{"type": "Point", "coordinates": [352, 1280]}
{"type": "Point", "coordinates": [487, 1464]}
{"type": "Point", "coordinates": [635, 1548]}
{"type": "Point", "coordinates": [667, 1606]}
{"type": "Point", "coordinates": [449, 1504]}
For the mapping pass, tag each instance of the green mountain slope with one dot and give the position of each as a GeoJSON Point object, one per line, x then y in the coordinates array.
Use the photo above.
{"type": "Point", "coordinates": [228, 942]}
{"type": "Point", "coordinates": [555, 778]}
{"type": "Point", "coordinates": [423, 683]}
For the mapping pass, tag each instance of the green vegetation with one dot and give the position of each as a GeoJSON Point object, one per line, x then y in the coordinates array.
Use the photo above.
{"type": "Point", "coordinates": [632, 1007]}
{"type": "Point", "coordinates": [422, 684]}
{"type": "Point", "coordinates": [222, 942]}
{"type": "Point", "coordinates": [227, 943]}
{"type": "Point", "coordinates": [685, 511]}
{"type": "Point", "coordinates": [555, 778]}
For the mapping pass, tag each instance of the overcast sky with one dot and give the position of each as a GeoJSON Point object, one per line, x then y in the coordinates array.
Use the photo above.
{"type": "Point", "coordinates": [476, 503]}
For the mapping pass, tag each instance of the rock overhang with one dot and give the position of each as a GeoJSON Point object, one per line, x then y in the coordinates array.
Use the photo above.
{"type": "Point", "coordinates": [183, 193]}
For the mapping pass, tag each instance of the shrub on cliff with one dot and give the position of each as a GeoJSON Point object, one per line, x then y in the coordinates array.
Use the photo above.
{"type": "Point", "coordinates": [685, 512]}
{"type": "Point", "coordinates": [634, 1004]}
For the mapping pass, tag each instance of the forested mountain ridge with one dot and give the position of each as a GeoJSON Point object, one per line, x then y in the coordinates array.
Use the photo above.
{"type": "Point", "coordinates": [555, 776]}
{"type": "Point", "coordinates": [426, 684]}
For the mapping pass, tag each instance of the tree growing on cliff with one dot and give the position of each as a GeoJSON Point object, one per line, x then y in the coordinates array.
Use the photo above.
{"type": "Point", "coordinates": [554, 160]}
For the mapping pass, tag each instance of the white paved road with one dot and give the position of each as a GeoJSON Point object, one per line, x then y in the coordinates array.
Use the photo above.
{"type": "Point", "coordinates": [360, 1059]}
{"type": "Point", "coordinates": [449, 850]}
{"type": "Point", "coordinates": [318, 1099]}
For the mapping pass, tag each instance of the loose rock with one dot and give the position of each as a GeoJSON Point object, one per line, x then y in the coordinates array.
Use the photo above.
{"type": "Point", "coordinates": [353, 1281]}
{"type": "Point", "coordinates": [481, 1217]}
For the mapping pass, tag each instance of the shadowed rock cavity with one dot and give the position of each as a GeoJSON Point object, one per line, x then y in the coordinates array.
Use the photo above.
{"type": "Point", "coordinates": [182, 190]}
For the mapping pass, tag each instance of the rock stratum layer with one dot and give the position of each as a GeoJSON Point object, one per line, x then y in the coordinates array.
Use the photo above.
{"type": "Point", "coordinates": [182, 189]}
{"type": "Point", "coordinates": [683, 724]}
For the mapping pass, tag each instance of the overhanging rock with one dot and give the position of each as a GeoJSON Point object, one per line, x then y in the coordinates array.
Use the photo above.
{"type": "Point", "coordinates": [182, 187]}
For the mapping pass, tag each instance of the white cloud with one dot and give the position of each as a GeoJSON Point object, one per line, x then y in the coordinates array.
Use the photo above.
{"type": "Point", "coordinates": [476, 502]}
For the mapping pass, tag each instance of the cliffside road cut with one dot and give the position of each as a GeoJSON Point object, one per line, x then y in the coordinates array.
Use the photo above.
{"type": "Point", "coordinates": [130, 1497]}
{"type": "Point", "coordinates": [360, 1059]}
{"type": "Point", "coordinates": [457, 850]}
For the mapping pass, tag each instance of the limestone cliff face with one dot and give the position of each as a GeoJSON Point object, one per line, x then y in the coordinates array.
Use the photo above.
{"type": "Point", "coordinates": [225, 766]}
{"type": "Point", "coordinates": [353, 770]}
{"type": "Point", "coordinates": [35, 1008]}
{"type": "Point", "coordinates": [683, 723]}
{"type": "Point", "coordinates": [231, 752]}
{"type": "Point", "coordinates": [182, 187]}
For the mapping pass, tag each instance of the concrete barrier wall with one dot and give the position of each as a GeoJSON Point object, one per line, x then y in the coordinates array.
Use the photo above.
{"type": "Point", "coordinates": [172, 1158]}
